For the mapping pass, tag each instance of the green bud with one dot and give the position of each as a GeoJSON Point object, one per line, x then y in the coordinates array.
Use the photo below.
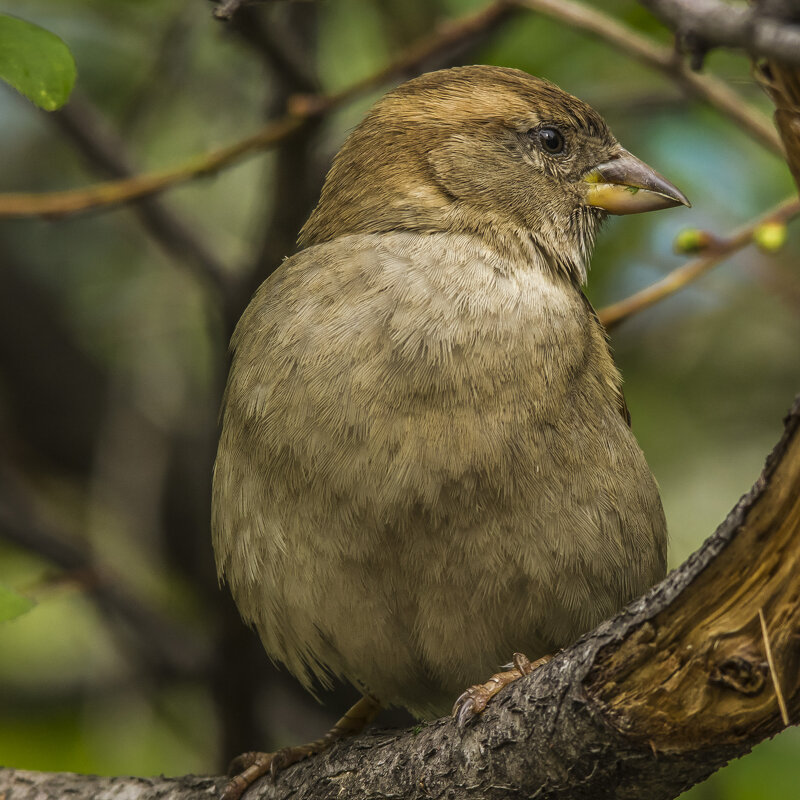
{"type": "Point", "coordinates": [770, 236]}
{"type": "Point", "coordinates": [692, 240]}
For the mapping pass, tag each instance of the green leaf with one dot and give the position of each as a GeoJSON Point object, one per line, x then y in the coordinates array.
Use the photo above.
{"type": "Point", "coordinates": [36, 63]}
{"type": "Point", "coordinates": [12, 604]}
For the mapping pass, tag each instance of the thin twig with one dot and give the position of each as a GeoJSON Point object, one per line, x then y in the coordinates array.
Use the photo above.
{"type": "Point", "coordinates": [707, 88]}
{"type": "Point", "coordinates": [111, 193]}
{"type": "Point", "coordinates": [227, 8]}
{"type": "Point", "coordinates": [451, 34]}
{"type": "Point", "coordinates": [773, 672]}
{"type": "Point", "coordinates": [687, 273]}
{"type": "Point", "coordinates": [84, 126]}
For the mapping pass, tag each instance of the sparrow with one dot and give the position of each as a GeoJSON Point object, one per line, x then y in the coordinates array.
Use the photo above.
{"type": "Point", "coordinates": [426, 461]}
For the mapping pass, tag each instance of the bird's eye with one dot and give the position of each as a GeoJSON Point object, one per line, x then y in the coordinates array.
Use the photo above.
{"type": "Point", "coordinates": [552, 140]}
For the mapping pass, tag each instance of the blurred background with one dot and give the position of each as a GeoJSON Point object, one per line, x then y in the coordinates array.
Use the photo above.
{"type": "Point", "coordinates": [114, 328]}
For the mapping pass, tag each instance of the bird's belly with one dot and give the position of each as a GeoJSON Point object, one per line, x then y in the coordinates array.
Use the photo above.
{"type": "Point", "coordinates": [522, 551]}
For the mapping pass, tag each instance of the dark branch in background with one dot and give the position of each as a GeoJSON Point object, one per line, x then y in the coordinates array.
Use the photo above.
{"type": "Point", "coordinates": [451, 35]}
{"type": "Point", "coordinates": [53, 412]}
{"type": "Point", "coordinates": [106, 152]}
{"type": "Point", "coordinates": [689, 676]}
{"type": "Point", "coordinates": [168, 59]}
{"type": "Point", "coordinates": [165, 649]}
{"type": "Point", "coordinates": [283, 48]}
{"type": "Point", "coordinates": [285, 40]}
{"type": "Point", "coordinates": [432, 49]}
{"type": "Point", "coordinates": [703, 24]}
{"type": "Point", "coordinates": [227, 8]}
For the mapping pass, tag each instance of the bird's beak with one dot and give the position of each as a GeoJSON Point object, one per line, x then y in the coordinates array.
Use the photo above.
{"type": "Point", "coordinates": [626, 185]}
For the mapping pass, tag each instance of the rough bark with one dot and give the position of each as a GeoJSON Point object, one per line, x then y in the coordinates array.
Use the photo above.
{"type": "Point", "coordinates": [651, 702]}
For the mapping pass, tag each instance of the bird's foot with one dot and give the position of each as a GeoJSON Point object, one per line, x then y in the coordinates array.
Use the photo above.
{"type": "Point", "coordinates": [474, 700]}
{"type": "Point", "coordinates": [247, 768]}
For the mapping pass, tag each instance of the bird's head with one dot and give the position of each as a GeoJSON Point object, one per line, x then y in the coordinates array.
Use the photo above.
{"type": "Point", "coordinates": [489, 151]}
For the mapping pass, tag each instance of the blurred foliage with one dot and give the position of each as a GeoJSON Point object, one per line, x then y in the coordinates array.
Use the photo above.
{"type": "Point", "coordinates": [12, 604]}
{"type": "Point", "coordinates": [112, 355]}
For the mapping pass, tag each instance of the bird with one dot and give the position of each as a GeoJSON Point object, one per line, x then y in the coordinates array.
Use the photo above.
{"type": "Point", "coordinates": [425, 460]}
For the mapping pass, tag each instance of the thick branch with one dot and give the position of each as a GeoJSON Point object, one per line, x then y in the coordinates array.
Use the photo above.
{"type": "Point", "coordinates": [714, 23]}
{"type": "Point", "coordinates": [646, 705]}
{"type": "Point", "coordinates": [18, 784]}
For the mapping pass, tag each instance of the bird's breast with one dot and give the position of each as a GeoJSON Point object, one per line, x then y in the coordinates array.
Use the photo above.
{"type": "Point", "coordinates": [421, 361]}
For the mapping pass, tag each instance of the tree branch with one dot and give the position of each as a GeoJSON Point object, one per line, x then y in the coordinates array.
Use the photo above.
{"type": "Point", "coordinates": [782, 82]}
{"type": "Point", "coordinates": [112, 193]}
{"type": "Point", "coordinates": [451, 34]}
{"type": "Point", "coordinates": [706, 88]}
{"type": "Point", "coordinates": [714, 23]}
{"type": "Point", "coordinates": [649, 703]}
{"type": "Point", "coordinates": [165, 648]}
{"type": "Point", "coordinates": [227, 8]}
{"type": "Point", "coordinates": [103, 150]}
{"type": "Point", "coordinates": [280, 48]}
{"type": "Point", "coordinates": [19, 784]}
{"type": "Point", "coordinates": [689, 272]}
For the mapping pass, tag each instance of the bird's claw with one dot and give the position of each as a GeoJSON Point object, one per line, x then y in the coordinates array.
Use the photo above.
{"type": "Point", "coordinates": [244, 770]}
{"type": "Point", "coordinates": [474, 700]}
{"type": "Point", "coordinates": [470, 704]}
{"type": "Point", "coordinates": [242, 762]}
{"type": "Point", "coordinates": [248, 767]}
{"type": "Point", "coordinates": [285, 757]}
{"type": "Point", "coordinates": [523, 664]}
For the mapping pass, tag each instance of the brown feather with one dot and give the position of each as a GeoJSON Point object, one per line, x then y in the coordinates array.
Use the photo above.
{"type": "Point", "coordinates": [423, 466]}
